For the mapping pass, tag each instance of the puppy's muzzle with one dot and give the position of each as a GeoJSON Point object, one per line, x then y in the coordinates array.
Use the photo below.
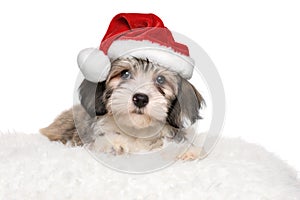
{"type": "Point", "coordinates": [140, 100]}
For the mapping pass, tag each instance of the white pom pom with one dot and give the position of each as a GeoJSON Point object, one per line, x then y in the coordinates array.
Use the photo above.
{"type": "Point", "coordinates": [93, 64]}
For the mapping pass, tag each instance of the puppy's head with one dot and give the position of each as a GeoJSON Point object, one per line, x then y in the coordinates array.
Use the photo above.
{"type": "Point", "coordinates": [142, 95]}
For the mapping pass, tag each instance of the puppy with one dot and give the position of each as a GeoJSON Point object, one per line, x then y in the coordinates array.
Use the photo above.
{"type": "Point", "coordinates": [138, 106]}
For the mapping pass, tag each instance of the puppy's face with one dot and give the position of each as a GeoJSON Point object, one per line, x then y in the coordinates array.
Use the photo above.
{"type": "Point", "coordinates": [141, 93]}
{"type": "Point", "coordinates": [142, 97]}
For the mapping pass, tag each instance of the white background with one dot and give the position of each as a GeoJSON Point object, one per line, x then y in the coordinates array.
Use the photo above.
{"type": "Point", "coordinates": [255, 46]}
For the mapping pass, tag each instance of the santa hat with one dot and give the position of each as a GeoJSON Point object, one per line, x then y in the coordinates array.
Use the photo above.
{"type": "Point", "coordinates": [138, 35]}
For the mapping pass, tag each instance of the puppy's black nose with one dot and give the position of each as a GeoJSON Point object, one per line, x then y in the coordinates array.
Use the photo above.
{"type": "Point", "coordinates": [140, 100]}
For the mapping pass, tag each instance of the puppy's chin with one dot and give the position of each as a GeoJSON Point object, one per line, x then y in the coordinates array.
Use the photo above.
{"type": "Point", "coordinates": [139, 124]}
{"type": "Point", "coordinates": [140, 120]}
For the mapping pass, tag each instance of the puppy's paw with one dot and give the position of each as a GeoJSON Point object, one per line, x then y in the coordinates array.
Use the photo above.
{"type": "Point", "coordinates": [110, 144]}
{"type": "Point", "coordinates": [192, 153]}
{"type": "Point", "coordinates": [119, 148]}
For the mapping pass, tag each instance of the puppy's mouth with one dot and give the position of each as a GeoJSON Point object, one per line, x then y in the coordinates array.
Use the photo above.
{"type": "Point", "coordinates": [138, 111]}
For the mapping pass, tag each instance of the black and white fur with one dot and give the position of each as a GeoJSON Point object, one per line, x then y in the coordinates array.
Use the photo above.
{"type": "Point", "coordinates": [140, 104]}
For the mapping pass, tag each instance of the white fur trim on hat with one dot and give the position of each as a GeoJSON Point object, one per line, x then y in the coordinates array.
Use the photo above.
{"type": "Point", "coordinates": [93, 64]}
{"type": "Point", "coordinates": [154, 52]}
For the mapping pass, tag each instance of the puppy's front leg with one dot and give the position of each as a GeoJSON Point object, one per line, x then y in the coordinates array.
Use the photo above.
{"type": "Point", "coordinates": [113, 143]}
{"type": "Point", "coordinates": [118, 144]}
{"type": "Point", "coordinates": [192, 153]}
{"type": "Point", "coordinates": [196, 149]}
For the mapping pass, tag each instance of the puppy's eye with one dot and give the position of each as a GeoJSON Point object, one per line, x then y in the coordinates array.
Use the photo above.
{"type": "Point", "coordinates": [125, 74]}
{"type": "Point", "coordinates": [160, 79]}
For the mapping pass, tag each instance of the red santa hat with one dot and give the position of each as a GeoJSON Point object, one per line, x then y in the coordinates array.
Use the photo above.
{"type": "Point", "coordinates": [139, 35]}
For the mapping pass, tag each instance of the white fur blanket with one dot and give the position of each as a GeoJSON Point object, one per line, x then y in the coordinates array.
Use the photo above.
{"type": "Point", "coordinates": [33, 168]}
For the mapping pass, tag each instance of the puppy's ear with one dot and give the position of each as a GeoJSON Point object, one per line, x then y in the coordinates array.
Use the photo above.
{"type": "Point", "coordinates": [184, 109]}
{"type": "Point", "coordinates": [91, 97]}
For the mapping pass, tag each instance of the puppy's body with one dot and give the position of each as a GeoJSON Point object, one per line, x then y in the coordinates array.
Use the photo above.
{"type": "Point", "coordinates": [139, 105]}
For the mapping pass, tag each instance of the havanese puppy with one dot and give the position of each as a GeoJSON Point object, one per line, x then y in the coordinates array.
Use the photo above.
{"type": "Point", "coordinates": [140, 105]}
